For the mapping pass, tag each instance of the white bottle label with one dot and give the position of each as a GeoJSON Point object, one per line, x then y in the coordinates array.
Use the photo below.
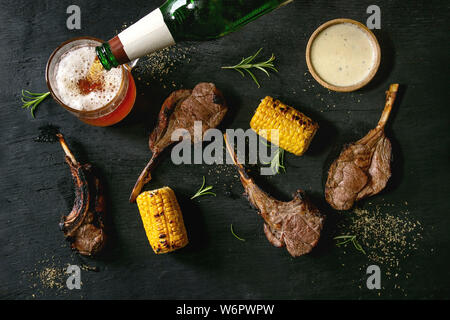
{"type": "Point", "coordinates": [147, 35]}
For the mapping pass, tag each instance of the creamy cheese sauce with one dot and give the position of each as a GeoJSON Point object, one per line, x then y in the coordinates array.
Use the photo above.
{"type": "Point", "coordinates": [343, 54]}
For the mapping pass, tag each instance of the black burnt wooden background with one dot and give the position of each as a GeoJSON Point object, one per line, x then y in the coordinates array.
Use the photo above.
{"type": "Point", "coordinates": [36, 184]}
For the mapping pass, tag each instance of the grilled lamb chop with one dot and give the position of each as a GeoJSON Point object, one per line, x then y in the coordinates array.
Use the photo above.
{"type": "Point", "coordinates": [84, 225]}
{"type": "Point", "coordinates": [364, 167]}
{"type": "Point", "coordinates": [295, 224]}
{"type": "Point", "coordinates": [180, 110]}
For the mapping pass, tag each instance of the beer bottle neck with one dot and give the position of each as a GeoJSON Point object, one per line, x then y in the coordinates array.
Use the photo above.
{"type": "Point", "coordinates": [147, 35]}
{"type": "Point", "coordinates": [181, 20]}
{"type": "Point", "coordinates": [106, 56]}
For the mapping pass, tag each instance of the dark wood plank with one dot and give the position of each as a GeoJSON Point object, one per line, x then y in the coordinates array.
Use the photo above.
{"type": "Point", "coordinates": [36, 187]}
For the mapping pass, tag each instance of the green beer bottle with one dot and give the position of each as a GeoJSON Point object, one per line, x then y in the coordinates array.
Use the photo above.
{"type": "Point", "coordinates": [179, 20]}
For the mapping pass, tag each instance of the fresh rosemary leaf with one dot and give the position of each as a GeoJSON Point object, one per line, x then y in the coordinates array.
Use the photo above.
{"type": "Point", "coordinates": [277, 161]}
{"type": "Point", "coordinates": [247, 63]}
{"type": "Point", "coordinates": [31, 100]}
{"type": "Point", "coordinates": [349, 238]}
{"type": "Point", "coordinates": [234, 234]}
{"type": "Point", "coordinates": [203, 191]}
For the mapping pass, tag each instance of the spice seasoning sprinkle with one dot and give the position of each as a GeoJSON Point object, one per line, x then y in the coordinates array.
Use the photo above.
{"type": "Point", "coordinates": [388, 235]}
{"type": "Point", "coordinates": [51, 277]}
{"type": "Point", "coordinates": [157, 65]}
{"type": "Point", "coordinates": [47, 275]}
{"type": "Point", "coordinates": [47, 134]}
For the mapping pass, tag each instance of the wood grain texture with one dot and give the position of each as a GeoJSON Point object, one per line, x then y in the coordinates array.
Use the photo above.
{"type": "Point", "coordinates": [36, 188]}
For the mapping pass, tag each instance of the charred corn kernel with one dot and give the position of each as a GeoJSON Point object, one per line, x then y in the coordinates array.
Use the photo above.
{"type": "Point", "coordinates": [162, 219]}
{"type": "Point", "coordinates": [296, 130]}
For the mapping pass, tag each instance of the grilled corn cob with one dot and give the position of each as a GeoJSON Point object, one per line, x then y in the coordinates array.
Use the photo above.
{"type": "Point", "coordinates": [162, 219]}
{"type": "Point", "coordinates": [295, 129]}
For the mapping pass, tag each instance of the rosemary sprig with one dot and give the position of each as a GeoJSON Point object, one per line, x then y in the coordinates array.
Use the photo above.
{"type": "Point", "coordinates": [277, 161]}
{"type": "Point", "coordinates": [203, 191]}
{"type": "Point", "coordinates": [234, 234]}
{"type": "Point", "coordinates": [246, 64]}
{"type": "Point", "coordinates": [349, 238]}
{"type": "Point", "coordinates": [31, 100]}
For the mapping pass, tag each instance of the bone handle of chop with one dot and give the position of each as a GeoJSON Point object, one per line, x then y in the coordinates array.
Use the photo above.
{"type": "Point", "coordinates": [66, 148]}
{"type": "Point", "coordinates": [375, 134]}
{"type": "Point", "coordinates": [390, 98]}
{"type": "Point", "coordinates": [244, 177]}
{"type": "Point", "coordinates": [144, 178]}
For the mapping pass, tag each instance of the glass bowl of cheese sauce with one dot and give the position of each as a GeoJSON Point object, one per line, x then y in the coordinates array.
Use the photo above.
{"type": "Point", "coordinates": [343, 55]}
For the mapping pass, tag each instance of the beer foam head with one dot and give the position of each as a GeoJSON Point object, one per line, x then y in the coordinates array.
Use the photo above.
{"type": "Point", "coordinates": [74, 66]}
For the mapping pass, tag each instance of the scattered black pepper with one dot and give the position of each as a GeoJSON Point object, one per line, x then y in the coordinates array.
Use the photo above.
{"type": "Point", "coordinates": [47, 134]}
{"type": "Point", "coordinates": [156, 66]}
{"type": "Point", "coordinates": [388, 234]}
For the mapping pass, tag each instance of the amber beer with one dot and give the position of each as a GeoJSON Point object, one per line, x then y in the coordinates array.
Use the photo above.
{"type": "Point", "coordinates": [100, 98]}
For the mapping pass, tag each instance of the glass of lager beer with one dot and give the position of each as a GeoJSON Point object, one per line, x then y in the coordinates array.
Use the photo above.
{"type": "Point", "coordinates": [94, 95]}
